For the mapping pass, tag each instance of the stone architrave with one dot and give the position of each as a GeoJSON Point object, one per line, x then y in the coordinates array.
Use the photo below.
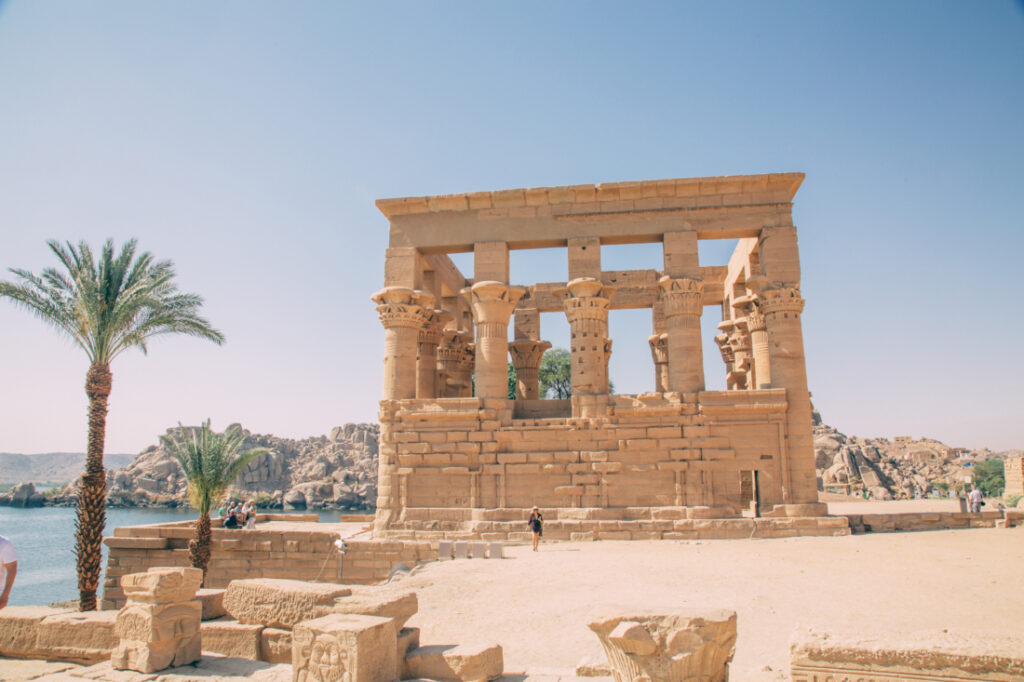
{"type": "Point", "coordinates": [659, 353]}
{"type": "Point", "coordinates": [666, 645]}
{"type": "Point", "coordinates": [158, 627]}
{"type": "Point", "coordinates": [586, 301]}
{"type": "Point", "coordinates": [426, 358]}
{"type": "Point", "coordinates": [683, 301]}
{"type": "Point", "coordinates": [492, 303]}
{"type": "Point", "coordinates": [526, 357]}
{"type": "Point", "coordinates": [345, 648]}
{"type": "Point", "coordinates": [403, 312]}
{"type": "Point", "coordinates": [280, 603]}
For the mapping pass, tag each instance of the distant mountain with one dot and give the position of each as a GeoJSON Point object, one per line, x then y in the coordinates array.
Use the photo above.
{"type": "Point", "coordinates": [51, 467]}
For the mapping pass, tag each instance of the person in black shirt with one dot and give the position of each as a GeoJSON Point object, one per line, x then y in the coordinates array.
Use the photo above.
{"type": "Point", "coordinates": [536, 525]}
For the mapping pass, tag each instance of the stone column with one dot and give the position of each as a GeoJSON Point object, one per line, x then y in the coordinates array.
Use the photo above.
{"type": "Point", "coordinates": [683, 299]}
{"type": "Point", "coordinates": [426, 360]}
{"type": "Point", "coordinates": [759, 348]}
{"type": "Point", "coordinates": [586, 301]}
{"type": "Point", "coordinates": [402, 312]}
{"type": "Point", "coordinates": [782, 308]}
{"type": "Point", "coordinates": [492, 303]}
{"type": "Point", "coordinates": [728, 357]}
{"type": "Point", "coordinates": [659, 352]}
{"type": "Point", "coordinates": [455, 363]}
{"type": "Point", "coordinates": [526, 357]}
{"type": "Point", "coordinates": [739, 340]}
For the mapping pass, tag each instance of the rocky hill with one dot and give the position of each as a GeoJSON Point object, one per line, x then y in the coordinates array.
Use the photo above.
{"type": "Point", "coordinates": [891, 469]}
{"type": "Point", "coordinates": [336, 471]}
{"type": "Point", "coordinates": [51, 467]}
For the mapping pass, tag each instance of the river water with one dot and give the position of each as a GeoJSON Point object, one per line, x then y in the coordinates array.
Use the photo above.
{"type": "Point", "coordinates": [45, 539]}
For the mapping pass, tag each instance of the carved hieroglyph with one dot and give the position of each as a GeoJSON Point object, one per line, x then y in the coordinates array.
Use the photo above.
{"type": "Point", "coordinates": [666, 645]}
{"type": "Point", "coordinates": [159, 625]}
{"type": "Point", "coordinates": [345, 648]}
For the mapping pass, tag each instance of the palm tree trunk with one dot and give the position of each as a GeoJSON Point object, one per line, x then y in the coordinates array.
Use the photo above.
{"type": "Point", "coordinates": [92, 494]}
{"type": "Point", "coordinates": [199, 547]}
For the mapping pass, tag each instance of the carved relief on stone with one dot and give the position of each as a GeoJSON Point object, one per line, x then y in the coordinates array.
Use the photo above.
{"type": "Point", "coordinates": [526, 357]}
{"type": "Point", "coordinates": [345, 648]}
{"type": "Point", "coordinates": [666, 645]}
{"type": "Point", "coordinates": [784, 300]}
{"type": "Point", "coordinates": [403, 307]}
{"type": "Point", "coordinates": [681, 296]}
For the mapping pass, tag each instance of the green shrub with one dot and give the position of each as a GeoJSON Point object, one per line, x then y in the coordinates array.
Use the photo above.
{"type": "Point", "coordinates": [1012, 500]}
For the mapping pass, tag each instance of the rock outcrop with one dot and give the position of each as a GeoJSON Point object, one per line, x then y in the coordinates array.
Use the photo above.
{"type": "Point", "coordinates": [336, 471]}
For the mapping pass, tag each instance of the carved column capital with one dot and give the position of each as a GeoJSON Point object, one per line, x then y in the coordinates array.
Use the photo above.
{"type": "Point", "coordinates": [755, 320]}
{"type": "Point", "coordinates": [659, 348]}
{"type": "Point", "coordinates": [783, 300]}
{"type": "Point", "coordinates": [527, 353]}
{"type": "Point", "coordinates": [681, 296]}
{"type": "Point", "coordinates": [493, 301]}
{"type": "Point", "coordinates": [586, 298]}
{"type": "Point", "coordinates": [403, 307]}
{"type": "Point", "coordinates": [433, 324]}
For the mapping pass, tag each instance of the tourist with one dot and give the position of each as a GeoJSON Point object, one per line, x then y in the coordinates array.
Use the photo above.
{"type": "Point", "coordinates": [232, 520]}
{"type": "Point", "coordinates": [536, 526]}
{"type": "Point", "coordinates": [8, 568]}
{"type": "Point", "coordinates": [975, 499]}
{"type": "Point", "coordinates": [250, 515]}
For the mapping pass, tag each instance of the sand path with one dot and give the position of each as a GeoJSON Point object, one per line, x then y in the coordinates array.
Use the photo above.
{"type": "Point", "coordinates": [535, 604]}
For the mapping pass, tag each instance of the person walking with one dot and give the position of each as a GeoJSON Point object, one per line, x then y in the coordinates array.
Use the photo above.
{"type": "Point", "coordinates": [8, 569]}
{"type": "Point", "coordinates": [975, 499]}
{"type": "Point", "coordinates": [536, 525]}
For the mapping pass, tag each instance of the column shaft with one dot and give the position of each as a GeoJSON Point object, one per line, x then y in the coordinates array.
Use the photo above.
{"type": "Point", "coordinates": [684, 302]}
{"type": "Point", "coordinates": [586, 301]}
{"type": "Point", "coordinates": [492, 303]}
{"type": "Point", "coordinates": [759, 348]}
{"type": "Point", "coordinates": [526, 358]}
{"type": "Point", "coordinates": [403, 312]}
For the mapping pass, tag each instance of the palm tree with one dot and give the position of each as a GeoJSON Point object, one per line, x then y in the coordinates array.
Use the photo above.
{"type": "Point", "coordinates": [106, 307]}
{"type": "Point", "coordinates": [211, 462]}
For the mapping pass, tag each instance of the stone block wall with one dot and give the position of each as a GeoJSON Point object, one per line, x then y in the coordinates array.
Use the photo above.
{"type": "Point", "coordinates": [889, 523]}
{"type": "Point", "coordinates": [272, 553]}
{"type": "Point", "coordinates": [1014, 476]}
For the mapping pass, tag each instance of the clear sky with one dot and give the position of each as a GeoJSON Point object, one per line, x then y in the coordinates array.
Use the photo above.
{"type": "Point", "coordinates": [247, 142]}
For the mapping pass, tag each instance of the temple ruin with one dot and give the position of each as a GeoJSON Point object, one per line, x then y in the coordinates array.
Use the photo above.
{"type": "Point", "coordinates": [456, 455]}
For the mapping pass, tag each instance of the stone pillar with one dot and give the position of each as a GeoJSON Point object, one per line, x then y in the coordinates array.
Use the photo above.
{"type": "Point", "coordinates": [728, 357]}
{"type": "Point", "coordinates": [683, 299]}
{"type": "Point", "coordinates": [526, 357]}
{"type": "Point", "coordinates": [739, 340]}
{"type": "Point", "coordinates": [402, 312]}
{"type": "Point", "coordinates": [158, 627]}
{"type": "Point", "coordinates": [782, 308]}
{"type": "Point", "coordinates": [492, 303]}
{"type": "Point", "coordinates": [586, 301]}
{"type": "Point", "coordinates": [759, 348]}
{"type": "Point", "coordinates": [659, 353]}
{"type": "Point", "coordinates": [426, 360]}
{"type": "Point", "coordinates": [454, 363]}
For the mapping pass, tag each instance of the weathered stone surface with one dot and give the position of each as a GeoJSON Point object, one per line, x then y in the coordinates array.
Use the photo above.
{"type": "Point", "coordinates": [375, 601]}
{"type": "Point", "coordinates": [345, 647]}
{"type": "Point", "coordinates": [19, 629]}
{"type": "Point", "coordinates": [666, 645]}
{"type": "Point", "coordinates": [464, 662]}
{"type": "Point", "coordinates": [231, 638]}
{"type": "Point", "coordinates": [593, 667]}
{"type": "Point", "coordinates": [280, 603]}
{"type": "Point", "coordinates": [213, 603]}
{"type": "Point", "coordinates": [818, 656]}
{"type": "Point", "coordinates": [276, 645]}
{"type": "Point", "coordinates": [408, 639]}
{"type": "Point", "coordinates": [78, 637]}
{"type": "Point", "coordinates": [162, 585]}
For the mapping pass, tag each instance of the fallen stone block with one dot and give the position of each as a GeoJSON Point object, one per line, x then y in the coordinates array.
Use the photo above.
{"type": "Point", "coordinates": [464, 662]}
{"type": "Point", "coordinates": [79, 637]}
{"type": "Point", "coordinates": [345, 647]}
{"type": "Point", "coordinates": [162, 585]}
{"type": "Point", "coordinates": [374, 601]}
{"type": "Point", "coordinates": [666, 645]}
{"type": "Point", "coordinates": [276, 645]}
{"type": "Point", "coordinates": [19, 628]}
{"type": "Point", "coordinates": [592, 666]}
{"type": "Point", "coordinates": [939, 656]}
{"type": "Point", "coordinates": [280, 603]}
{"type": "Point", "coordinates": [231, 638]}
{"type": "Point", "coordinates": [152, 637]}
{"type": "Point", "coordinates": [213, 603]}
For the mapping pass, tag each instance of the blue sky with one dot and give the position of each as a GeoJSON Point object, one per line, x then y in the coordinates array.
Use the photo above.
{"type": "Point", "coordinates": [247, 141]}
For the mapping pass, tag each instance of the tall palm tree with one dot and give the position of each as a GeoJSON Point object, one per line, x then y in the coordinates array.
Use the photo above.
{"type": "Point", "coordinates": [106, 307]}
{"type": "Point", "coordinates": [211, 462]}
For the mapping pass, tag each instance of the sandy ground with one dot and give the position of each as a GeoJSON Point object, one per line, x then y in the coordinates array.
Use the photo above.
{"type": "Point", "coordinates": [536, 604]}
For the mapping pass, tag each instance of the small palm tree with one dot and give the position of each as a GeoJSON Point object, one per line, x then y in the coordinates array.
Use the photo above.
{"type": "Point", "coordinates": [106, 307]}
{"type": "Point", "coordinates": [211, 462]}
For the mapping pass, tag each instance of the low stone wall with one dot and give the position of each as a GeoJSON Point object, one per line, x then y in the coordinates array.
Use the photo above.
{"type": "Point", "coordinates": [597, 523]}
{"type": "Point", "coordinates": [817, 656]}
{"type": "Point", "coordinates": [306, 554]}
{"type": "Point", "coordinates": [889, 523]}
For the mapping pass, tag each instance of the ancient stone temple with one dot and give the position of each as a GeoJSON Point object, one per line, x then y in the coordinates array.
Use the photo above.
{"type": "Point", "coordinates": [458, 457]}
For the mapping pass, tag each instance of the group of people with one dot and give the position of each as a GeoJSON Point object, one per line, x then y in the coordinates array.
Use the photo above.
{"type": "Point", "coordinates": [239, 515]}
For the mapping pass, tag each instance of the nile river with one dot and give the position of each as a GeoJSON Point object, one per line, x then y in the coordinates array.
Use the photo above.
{"type": "Point", "coordinates": [45, 539]}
